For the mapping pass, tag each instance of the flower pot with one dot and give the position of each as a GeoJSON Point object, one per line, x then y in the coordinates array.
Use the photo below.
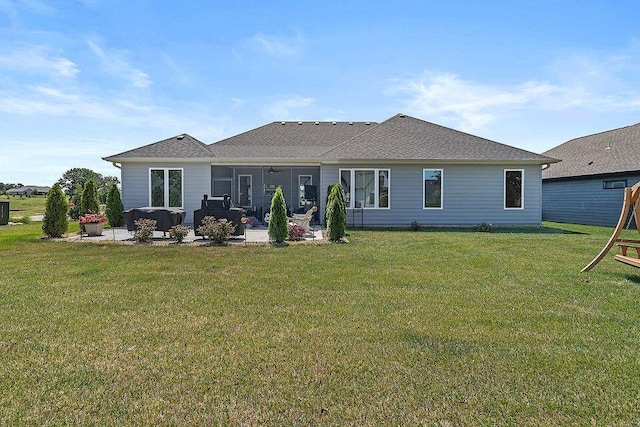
{"type": "Point", "coordinates": [93, 228]}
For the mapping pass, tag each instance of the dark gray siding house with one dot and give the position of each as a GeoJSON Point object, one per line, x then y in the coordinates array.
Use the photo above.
{"type": "Point", "coordinates": [586, 187]}
{"type": "Point", "coordinates": [394, 172]}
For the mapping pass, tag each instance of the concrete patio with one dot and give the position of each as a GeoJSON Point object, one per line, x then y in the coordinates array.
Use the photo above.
{"type": "Point", "coordinates": [120, 234]}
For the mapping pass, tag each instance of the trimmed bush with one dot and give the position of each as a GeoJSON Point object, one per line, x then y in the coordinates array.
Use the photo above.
{"type": "Point", "coordinates": [179, 232]}
{"type": "Point", "coordinates": [216, 230]}
{"type": "Point", "coordinates": [278, 230]}
{"type": "Point", "coordinates": [89, 199]}
{"type": "Point", "coordinates": [336, 214]}
{"type": "Point", "coordinates": [55, 222]}
{"type": "Point", "coordinates": [144, 230]}
{"type": "Point", "coordinates": [114, 209]}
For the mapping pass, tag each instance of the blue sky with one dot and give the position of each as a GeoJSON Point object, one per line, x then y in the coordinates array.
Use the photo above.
{"type": "Point", "coordinates": [84, 79]}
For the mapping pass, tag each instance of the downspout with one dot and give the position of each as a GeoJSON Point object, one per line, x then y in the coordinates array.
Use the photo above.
{"type": "Point", "coordinates": [116, 165]}
{"type": "Point", "coordinates": [546, 166]}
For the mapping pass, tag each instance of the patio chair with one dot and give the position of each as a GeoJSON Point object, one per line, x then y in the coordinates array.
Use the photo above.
{"type": "Point", "coordinates": [304, 220]}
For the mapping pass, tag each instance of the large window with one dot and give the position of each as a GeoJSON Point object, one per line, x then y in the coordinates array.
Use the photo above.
{"type": "Point", "coordinates": [513, 189]}
{"type": "Point", "coordinates": [165, 187]}
{"type": "Point", "coordinates": [244, 190]}
{"type": "Point", "coordinates": [432, 188]}
{"type": "Point", "coordinates": [366, 188]}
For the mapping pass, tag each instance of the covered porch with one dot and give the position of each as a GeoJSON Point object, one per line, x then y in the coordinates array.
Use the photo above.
{"type": "Point", "coordinates": [252, 187]}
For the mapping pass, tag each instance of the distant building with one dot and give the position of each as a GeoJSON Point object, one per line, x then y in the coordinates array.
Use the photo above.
{"type": "Point", "coordinates": [28, 189]}
{"type": "Point", "coordinates": [586, 187]}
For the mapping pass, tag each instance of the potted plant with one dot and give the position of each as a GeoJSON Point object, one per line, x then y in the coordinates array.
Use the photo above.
{"type": "Point", "coordinates": [93, 223]}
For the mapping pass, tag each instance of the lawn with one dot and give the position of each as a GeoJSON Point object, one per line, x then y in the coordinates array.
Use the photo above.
{"type": "Point", "coordinates": [25, 206]}
{"type": "Point", "coordinates": [394, 328]}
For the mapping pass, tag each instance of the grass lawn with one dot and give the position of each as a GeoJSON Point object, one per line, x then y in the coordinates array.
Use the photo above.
{"type": "Point", "coordinates": [25, 206]}
{"type": "Point", "coordinates": [394, 328]}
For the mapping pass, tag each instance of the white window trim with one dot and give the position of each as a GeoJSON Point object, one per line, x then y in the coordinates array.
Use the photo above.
{"type": "Point", "coordinates": [504, 190]}
{"type": "Point", "coordinates": [166, 186]}
{"type": "Point", "coordinates": [352, 178]}
{"type": "Point", "coordinates": [250, 198]}
{"type": "Point", "coordinates": [441, 189]}
{"type": "Point", "coordinates": [310, 183]}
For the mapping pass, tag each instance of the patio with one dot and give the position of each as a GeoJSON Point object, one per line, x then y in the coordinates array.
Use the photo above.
{"type": "Point", "coordinates": [253, 235]}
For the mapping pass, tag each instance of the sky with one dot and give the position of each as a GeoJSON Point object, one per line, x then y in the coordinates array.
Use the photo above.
{"type": "Point", "coordinates": [85, 79]}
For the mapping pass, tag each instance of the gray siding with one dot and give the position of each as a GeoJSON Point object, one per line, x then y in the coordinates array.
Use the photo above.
{"type": "Point", "coordinates": [583, 200]}
{"type": "Point", "coordinates": [472, 194]}
{"type": "Point", "coordinates": [135, 184]}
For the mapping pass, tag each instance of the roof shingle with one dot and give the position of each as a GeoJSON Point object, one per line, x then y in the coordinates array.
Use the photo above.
{"type": "Point", "coordinates": [406, 138]}
{"type": "Point", "coordinates": [613, 151]}
{"type": "Point", "coordinates": [180, 146]}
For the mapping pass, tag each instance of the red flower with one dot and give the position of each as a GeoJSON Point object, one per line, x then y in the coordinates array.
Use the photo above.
{"type": "Point", "coordinates": [93, 219]}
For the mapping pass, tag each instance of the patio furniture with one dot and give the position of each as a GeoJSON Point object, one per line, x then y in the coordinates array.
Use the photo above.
{"type": "Point", "coordinates": [165, 217]}
{"type": "Point", "coordinates": [304, 220]}
{"type": "Point", "coordinates": [219, 207]}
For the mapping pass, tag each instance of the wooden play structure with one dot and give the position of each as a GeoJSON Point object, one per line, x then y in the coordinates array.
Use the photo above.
{"type": "Point", "coordinates": [630, 209]}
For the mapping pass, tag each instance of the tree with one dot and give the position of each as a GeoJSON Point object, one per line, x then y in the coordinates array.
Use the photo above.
{"type": "Point", "coordinates": [114, 207]}
{"type": "Point", "coordinates": [74, 180]}
{"type": "Point", "coordinates": [55, 222]}
{"type": "Point", "coordinates": [278, 229]}
{"type": "Point", "coordinates": [89, 199]}
{"type": "Point", "coordinates": [336, 214]}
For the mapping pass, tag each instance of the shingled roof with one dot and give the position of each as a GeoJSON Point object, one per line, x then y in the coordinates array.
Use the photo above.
{"type": "Point", "coordinates": [399, 138]}
{"type": "Point", "coordinates": [288, 140]}
{"type": "Point", "coordinates": [178, 147]}
{"type": "Point", "coordinates": [406, 138]}
{"type": "Point", "coordinates": [613, 151]}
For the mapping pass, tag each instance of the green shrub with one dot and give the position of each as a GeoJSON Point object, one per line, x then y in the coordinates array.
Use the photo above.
{"type": "Point", "coordinates": [144, 230]}
{"type": "Point", "coordinates": [55, 222]}
{"type": "Point", "coordinates": [336, 214]}
{"type": "Point", "coordinates": [484, 227]}
{"type": "Point", "coordinates": [216, 230]}
{"type": "Point", "coordinates": [415, 226]}
{"type": "Point", "coordinates": [89, 199]}
{"type": "Point", "coordinates": [115, 209]}
{"type": "Point", "coordinates": [278, 230]}
{"type": "Point", "coordinates": [179, 232]}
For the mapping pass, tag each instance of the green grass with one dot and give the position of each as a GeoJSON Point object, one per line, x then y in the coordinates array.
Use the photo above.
{"type": "Point", "coordinates": [25, 206]}
{"type": "Point", "coordinates": [394, 328]}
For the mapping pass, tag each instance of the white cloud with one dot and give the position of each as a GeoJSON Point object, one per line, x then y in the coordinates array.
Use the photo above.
{"type": "Point", "coordinates": [39, 60]}
{"type": "Point", "coordinates": [115, 62]}
{"type": "Point", "coordinates": [283, 108]}
{"type": "Point", "coordinates": [280, 47]}
{"type": "Point", "coordinates": [472, 105]}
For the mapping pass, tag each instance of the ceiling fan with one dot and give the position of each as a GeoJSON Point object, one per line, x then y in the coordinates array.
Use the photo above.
{"type": "Point", "coordinates": [272, 170]}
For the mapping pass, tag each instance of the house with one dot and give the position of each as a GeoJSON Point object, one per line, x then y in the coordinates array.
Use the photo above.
{"type": "Point", "coordinates": [586, 187]}
{"type": "Point", "coordinates": [394, 172]}
{"type": "Point", "coordinates": [27, 190]}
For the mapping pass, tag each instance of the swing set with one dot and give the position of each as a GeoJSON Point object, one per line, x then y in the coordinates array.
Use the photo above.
{"type": "Point", "coordinates": [630, 205]}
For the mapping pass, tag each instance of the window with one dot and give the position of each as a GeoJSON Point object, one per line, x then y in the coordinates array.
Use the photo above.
{"type": "Point", "coordinates": [366, 188]}
{"type": "Point", "coordinates": [513, 189]}
{"type": "Point", "coordinates": [432, 188]}
{"type": "Point", "coordinates": [244, 190]}
{"type": "Point", "coordinates": [165, 187]}
{"type": "Point", "coordinates": [614, 183]}
{"type": "Point", "coordinates": [302, 181]}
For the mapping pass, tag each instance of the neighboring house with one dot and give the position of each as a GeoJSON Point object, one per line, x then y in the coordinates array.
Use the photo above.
{"type": "Point", "coordinates": [586, 187]}
{"type": "Point", "coordinates": [393, 173]}
{"type": "Point", "coordinates": [28, 189]}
